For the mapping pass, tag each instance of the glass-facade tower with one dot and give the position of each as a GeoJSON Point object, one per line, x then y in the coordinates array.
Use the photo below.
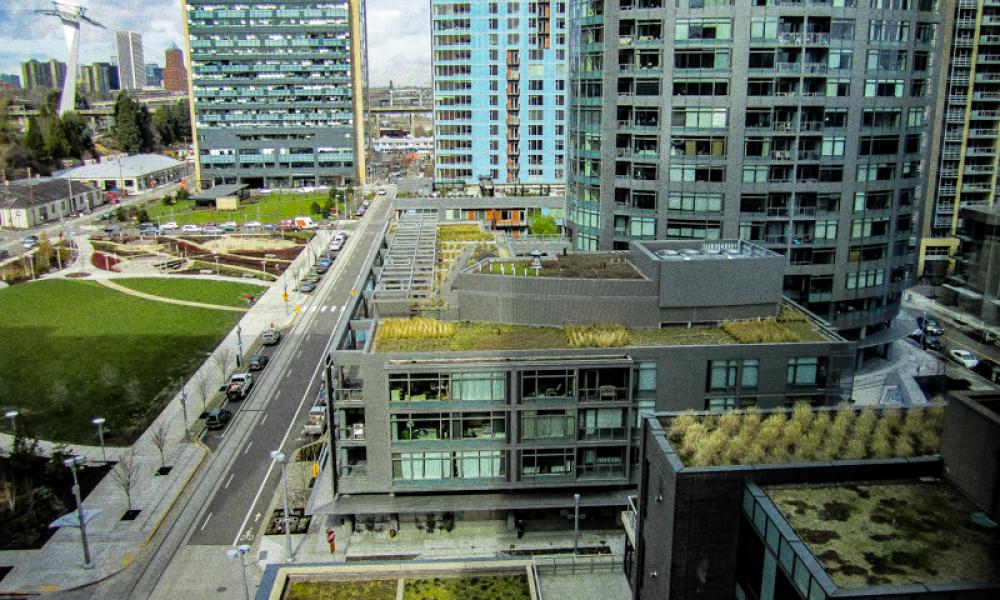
{"type": "Point", "coordinates": [499, 91]}
{"type": "Point", "coordinates": [801, 125]}
{"type": "Point", "coordinates": [274, 91]}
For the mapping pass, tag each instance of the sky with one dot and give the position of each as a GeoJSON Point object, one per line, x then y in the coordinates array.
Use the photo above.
{"type": "Point", "coordinates": [398, 35]}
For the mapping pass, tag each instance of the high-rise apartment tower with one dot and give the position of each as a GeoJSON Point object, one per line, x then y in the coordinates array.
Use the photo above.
{"type": "Point", "coordinates": [499, 91]}
{"type": "Point", "coordinates": [131, 65]}
{"type": "Point", "coordinates": [801, 125]}
{"type": "Point", "coordinates": [175, 73]}
{"type": "Point", "coordinates": [277, 91]}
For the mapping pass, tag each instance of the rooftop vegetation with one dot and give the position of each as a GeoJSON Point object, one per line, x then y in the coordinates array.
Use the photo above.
{"type": "Point", "coordinates": [359, 589]}
{"type": "Point", "coordinates": [889, 534]}
{"type": "Point", "coordinates": [496, 587]}
{"type": "Point", "coordinates": [452, 239]}
{"type": "Point", "coordinates": [463, 233]}
{"type": "Point", "coordinates": [804, 435]}
{"type": "Point", "coordinates": [579, 266]}
{"type": "Point", "coordinates": [421, 335]}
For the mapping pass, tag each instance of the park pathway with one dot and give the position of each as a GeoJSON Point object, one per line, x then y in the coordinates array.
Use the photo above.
{"type": "Point", "coordinates": [120, 288]}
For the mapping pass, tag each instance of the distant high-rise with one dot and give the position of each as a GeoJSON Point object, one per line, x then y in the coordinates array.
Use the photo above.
{"type": "Point", "coordinates": [13, 81]}
{"type": "Point", "coordinates": [154, 75]}
{"type": "Point", "coordinates": [37, 74]}
{"type": "Point", "coordinates": [175, 74]}
{"type": "Point", "coordinates": [95, 79]}
{"type": "Point", "coordinates": [278, 91]}
{"type": "Point", "coordinates": [499, 91]}
{"type": "Point", "coordinates": [131, 65]}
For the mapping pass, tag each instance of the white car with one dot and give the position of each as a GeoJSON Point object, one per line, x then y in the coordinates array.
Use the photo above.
{"type": "Point", "coordinates": [189, 228]}
{"type": "Point", "coordinates": [381, 192]}
{"type": "Point", "coordinates": [229, 226]}
{"type": "Point", "coordinates": [335, 245]}
{"type": "Point", "coordinates": [964, 358]}
{"type": "Point", "coordinates": [169, 226]}
{"type": "Point", "coordinates": [252, 225]}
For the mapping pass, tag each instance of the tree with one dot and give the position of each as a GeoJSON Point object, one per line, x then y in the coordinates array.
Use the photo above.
{"type": "Point", "coordinates": [34, 141]}
{"type": "Point", "coordinates": [202, 387]}
{"type": "Point", "coordinates": [223, 357]}
{"type": "Point", "coordinates": [539, 224]}
{"type": "Point", "coordinates": [77, 135]}
{"type": "Point", "coordinates": [163, 123]}
{"type": "Point", "coordinates": [126, 473]}
{"type": "Point", "coordinates": [159, 437]}
{"type": "Point", "coordinates": [127, 130]}
{"type": "Point", "coordinates": [316, 209]}
{"type": "Point", "coordinates": [56, 142]}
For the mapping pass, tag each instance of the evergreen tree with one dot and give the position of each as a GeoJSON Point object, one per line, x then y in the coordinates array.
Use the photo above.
{"type": "Point", "coordinates": [56, 143]}
{"type": "Point", "coordinates": [127, 130]}
{"type": "Point", "coordinates": [77, 135]}
{"type": "Point", "coordinates": [34, 142]}
{"type": "Point", "coordinates": [163, 123]}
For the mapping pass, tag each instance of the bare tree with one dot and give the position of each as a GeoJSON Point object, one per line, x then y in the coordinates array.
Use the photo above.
{"type": "Point", "coordinates": [160, 431]}
{"type": "Point", "coordinates": [126, 472]}
{"type": "Point", "coordinates": [223, 357]}
{"type": "Point", "coordinates": [202, 386]}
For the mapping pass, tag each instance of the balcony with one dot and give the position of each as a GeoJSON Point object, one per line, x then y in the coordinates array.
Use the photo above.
{"type": "Point", "coordinates": [355, 433]}
{"type": "Point", "coordinates": [790, 37]}
{"type": "Point", "coordinates": [604, 393]}
{"type": "Point", "coordinates": [348, 396]}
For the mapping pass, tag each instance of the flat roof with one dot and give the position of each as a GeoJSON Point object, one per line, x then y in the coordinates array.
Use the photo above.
{"type": "Point", "coordinates": [480, 202]}
{"type": "Point", "coordinates": [429, 335]}
{"type": "Point", "coordinates": [597, 265]}
{"type": "Point", "coordinates": [219, 191]}
{"type": "Point", "coordinates": [137, 165]}
{"type": "Point", "coordinates": [899, 533]}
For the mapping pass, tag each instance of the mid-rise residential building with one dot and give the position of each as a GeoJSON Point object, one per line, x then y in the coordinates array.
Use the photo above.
{"type": "Point", "coordinates": [503, 408]}
{"type": "Point", "coordinates": [96, 79]}
{"type": "Point", "coordinates": [967, 140]}
{"type": "Point", "coordinates": [974, 286]}
{"type": "Point", "coordinates": [800, 126]}
{"type": "Point", "coordinates": [154, 75]}
{"type": "Point", "coordinates": [278, 91]}
{"type": "Point", "coordinates": [37, 74]}
{"type": "Point", "coordinates": [175, 77]}
{"type": "Point", "coordinates": [500, 98]}
{"type": "Point", "coordinates": [875, 503]}
{"type": "Point", "coordinates": [13, 81]}
{"type": "Point", "coordinates": [131, 64]}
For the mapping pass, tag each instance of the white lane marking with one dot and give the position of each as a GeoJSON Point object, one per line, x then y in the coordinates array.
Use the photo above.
{"type": "Point", "coordinates": [264, 419]}
{"type": "Point", "coordinates": [276, 394]}
{"type": "Point", "coordinates": [299, 355]}
{"type": "Point", "coordinates": [250, 443]}
{"type": "Point", "coordinates": [230, 480]}
{"type": "Point", "coordinates": [288, 374]}
{"type": "Point", "coordinates": [202, 528]}
{"type": "Point", "coordinates": [323, 309]}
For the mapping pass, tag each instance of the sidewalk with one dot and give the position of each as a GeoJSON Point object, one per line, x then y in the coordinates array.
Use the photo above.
{"type": "Point", "coordinates": [114, 543]}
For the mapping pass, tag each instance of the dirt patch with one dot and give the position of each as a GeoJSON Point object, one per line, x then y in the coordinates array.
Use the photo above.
{"type": "Point", "coordinates": [836, 511]}
{"type": "Point", "coordinates": [818, 536]}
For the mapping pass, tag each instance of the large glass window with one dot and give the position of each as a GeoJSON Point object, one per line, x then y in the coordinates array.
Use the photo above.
{"type": "Point", "coordinates": [421, 465]}
{"type": "Point", "coordinates": [802, 370]}
{"type": "Point", "coordinates": [602, 424]}
{"type": "Point", "coordinates": [548, 384]}
{"type": "Point", "coordinates": [418, 387]}
{"type": "Point", "coordinates": [543, 463]}
{"type": "Point", "coordinates": [480, 426]}
{"type": "Point", "coordinates": [547, 424]}
{"type": "Point", "coordinates": [416, 427]}
{"type": "Point", "coordinates": [722, 374]}
{"type": "Point", "coordinates": [480, 464]}
{"type": "Point", "coordinates": [479, 386]}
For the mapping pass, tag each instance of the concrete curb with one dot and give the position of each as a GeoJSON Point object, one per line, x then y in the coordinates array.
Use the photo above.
{"type": "Point", "coordinates": [180, 491]}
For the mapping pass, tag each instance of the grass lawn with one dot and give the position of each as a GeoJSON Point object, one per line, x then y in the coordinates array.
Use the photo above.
{"type": "Point", "coordinates": [74, 350]}
{"type": "Point", "coordinates": [268, 208]}
{"type": "Point", "coordinates": [208, 291]}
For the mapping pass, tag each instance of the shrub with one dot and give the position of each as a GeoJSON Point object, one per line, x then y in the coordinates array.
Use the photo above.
{"type": "Point", "coordinates": [759, 331]}
{"type": "Point", "coordinates": [679, 425]}
{"type": "Point", "coordinates": [788, 314]}
{"type": "Point", "coordinates": [415, 328]}
{"type": "Point", "coordinates": [596, 336]}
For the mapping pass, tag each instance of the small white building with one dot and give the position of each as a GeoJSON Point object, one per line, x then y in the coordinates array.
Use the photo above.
{"type": "Point", "coordinates": [404, 144]}
{"type": "Point", "coordinates": [29, 202]}
{"type": "Point", "coordinates": [131, 173]}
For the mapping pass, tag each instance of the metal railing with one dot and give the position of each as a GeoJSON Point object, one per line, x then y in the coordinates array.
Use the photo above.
{"type": "Point", "coordinates": [569, 564]}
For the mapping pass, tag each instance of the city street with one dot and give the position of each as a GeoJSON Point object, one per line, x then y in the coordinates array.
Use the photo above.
{"type": "Point", "coordinates": [225, 502]}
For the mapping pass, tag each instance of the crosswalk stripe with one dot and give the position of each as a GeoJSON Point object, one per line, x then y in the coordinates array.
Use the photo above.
{"type": "Point", "coordinates": [323, 309]}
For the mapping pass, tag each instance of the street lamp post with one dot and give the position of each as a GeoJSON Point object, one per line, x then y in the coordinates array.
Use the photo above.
{"type": "Point", "coordinates": [279, 457]}
{"type": "Point", "coordinates": [576, 523]}
{"type": "Point", "coordinates": [239, 346]}
{"type": "Point", "coordinates": [11, 415]}
{"type": "Point", "coordinates": [99, 421]}
{"type": "Point", "coordinates": [184, 409]}
{"type": "Point", "coordinates": [240, 552]}
{"type": "Point", "coordinates": [72, 463]}
{"type": "Point", "coordinates": [216, 264]}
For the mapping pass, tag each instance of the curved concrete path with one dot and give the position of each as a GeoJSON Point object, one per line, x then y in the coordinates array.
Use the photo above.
{"type": "Point", "coordinates": [120, 288]}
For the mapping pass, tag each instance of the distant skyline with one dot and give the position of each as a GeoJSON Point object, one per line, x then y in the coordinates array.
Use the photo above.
{"type": "Point", "coordinates": [399, 46]}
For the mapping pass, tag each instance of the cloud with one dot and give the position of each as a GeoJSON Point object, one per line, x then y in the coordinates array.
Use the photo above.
{"type": "Point", "coordinates": [398, 35]}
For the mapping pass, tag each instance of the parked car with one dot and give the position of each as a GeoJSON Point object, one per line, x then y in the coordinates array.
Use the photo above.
{"type": "Point", "coordinates": [169, 226]}
{"type": "Point", "coordinates": [256, 362]}
{"type": "Point", "coordinates": [252, 226]}
{"type": "Point", "coordinates": [312, 277]}
{"type": "Point", "coordinates": [213, 230]}
{"type": "Point", "coordinates": [190, 228]}
{"type": "Point", "coordinates": [928, 342]}
{"type": "Point", "coordinates": [287, 225]}
{"type": "Point", "coordinates": [340, 236]}
{"type": "Point", "coordinates": [321, 267]}
{"type": "Point", "coordinates": [929, 325]}
{"type": "Point", "coordinates": [30, 241]}
{"type": "Point", "coordinates": [4, 253]}
{"type": "Point", "coordinates": [335, 245]}
{"type": "Point", "coordinates": [307, 287]}
{"type": "Point", "coordinates": [381, 192]}
{"type": "Point", "coordinates": [366, 204]}
{"type": "Point", "coordinates": [148, 229]}
{"type": "Point", "coordinates": [217, 418]}
{"type": "Point", "coordinates": [964, 358]}
{"type": "Point", "coordinates": [270, 337]}
{"type": "Point", "coordinates": [359, 211]}
{"type": "Point", "coordinates": [229, 226]}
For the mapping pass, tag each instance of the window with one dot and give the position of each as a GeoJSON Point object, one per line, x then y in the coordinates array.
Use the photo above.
{"type": "Point", "coordinates": [480, 464]}
{"type": "Point", "coordinates": [802, 371]}
{"type": "Point", "coordinates": [722, 374]}
{"type": "Point", "coordinates": [647, 377]}
{"type": "Point", "coordinates": [555, 462]}
{"type": "Point", "coordinates": [702, 29]}
{"type": "Point", "coordinates": [719, 405]}
{"type": "Point", "coordinates": [548, 384]}
{"type": "Point", "coordinates": [833, 146]}
{"type": "Point", "coordinates": [421, 465]}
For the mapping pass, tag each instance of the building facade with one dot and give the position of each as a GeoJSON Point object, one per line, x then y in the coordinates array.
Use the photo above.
{"type": "Point", "coordinates": [36, 74]}
{"type": "Point", "coordinates": [968, 138]}
{"type": "Point", "coordinates": [96, 79]}
{"type": "Point", "coordinates": [27, 203]}
{"type": "Point", "coordinates": [154, 75]}
{"type": "Point", "coordinates": [175, 76]}
{"type": "Point", "coordinates": [516, 428]}
{"type": "Point", "coordinates": [131, 63]}
{"type": "Point", "coordinates": [12, 80]}
{"type": "Point", "coordinates": [974, 286]}
{"type": "Point", "coordinates": [277, 91]}
{"type": "Point", "coordinates": [499, 72]}
{"type": "Point", "coordinates": [804, 129]}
